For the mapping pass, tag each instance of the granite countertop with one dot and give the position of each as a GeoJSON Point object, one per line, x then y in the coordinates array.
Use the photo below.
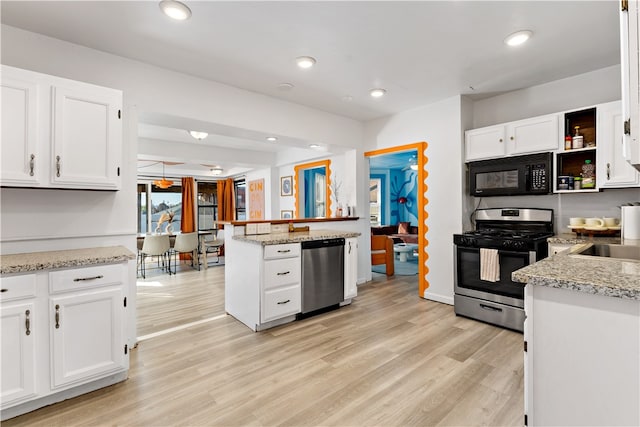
{"type": "Point", "coordinates": [295, 237]}
{"type": "Point", "coordinates": [573, 238]}
{"type": "Point", "coordinates": [594, 275]}
{"type": "Point", "coordinates": [35, 261]}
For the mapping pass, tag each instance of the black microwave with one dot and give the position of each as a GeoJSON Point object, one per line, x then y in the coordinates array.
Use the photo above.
{"type": "Point", "coordinates": [510, 176]}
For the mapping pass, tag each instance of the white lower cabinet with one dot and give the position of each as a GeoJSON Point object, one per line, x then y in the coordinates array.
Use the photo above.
{"type": "Point", "coordinates": [281, 291]}
{"type": "Point", "coordinates": [61, 331]}
{"type": "Point", "coordinates": [350, 268]}
{"type": "Point", "coordinates": [18, 352]}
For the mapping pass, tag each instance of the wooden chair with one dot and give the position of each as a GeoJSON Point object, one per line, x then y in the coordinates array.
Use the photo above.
{"type": "Point", "coordinates": [382, 252]}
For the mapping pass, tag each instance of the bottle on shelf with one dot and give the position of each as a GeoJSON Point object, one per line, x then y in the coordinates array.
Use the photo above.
{"type": "Point", "coordinates": [588, 175]}
{"type": "Point", "coordinates": [568, 142]}
{"type": "Point", "coordinates": [577, 140]}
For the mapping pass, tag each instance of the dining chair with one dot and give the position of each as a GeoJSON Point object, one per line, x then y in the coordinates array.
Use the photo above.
{"type": "Point", "coordinates": [213, 246]}
{"type": "Point", "coordinates": [158, 246]}
{"type": "Point", "coordinates": [186, 243]}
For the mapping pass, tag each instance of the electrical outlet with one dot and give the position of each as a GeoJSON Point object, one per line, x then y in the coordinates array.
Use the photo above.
{"type": "Point", "coordinates": [264, 228]}
{"type": "Point", "coordinates": [251, 229]}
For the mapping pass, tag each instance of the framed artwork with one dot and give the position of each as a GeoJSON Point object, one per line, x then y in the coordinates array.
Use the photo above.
{"type": "Point", "coordinates": [286, 186]}
{"type": "Point", "coordinates": [286, 214]}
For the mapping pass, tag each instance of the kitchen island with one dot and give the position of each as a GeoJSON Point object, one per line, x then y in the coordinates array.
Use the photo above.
{"type": "Point", "coordinates": [582, 340]}
{"type": "Point", "coordinates": [263, 273]}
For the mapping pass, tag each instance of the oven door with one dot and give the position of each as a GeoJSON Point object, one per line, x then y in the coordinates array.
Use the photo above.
{"type": "Point", "coordinates": [468, 282]}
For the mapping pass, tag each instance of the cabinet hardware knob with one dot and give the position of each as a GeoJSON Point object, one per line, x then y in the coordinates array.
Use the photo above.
{"type": "Point", "coordinates": [284, 251]}
{"type": "Point", "coordinates": [500, 139]}
{"type": "Point", "coordinates": [58, 166]}
{"type": "Point", "coordinates": [284, 302]}
{"type": "Point", "coordinates": [27, 322]}
{"type": "Point", "coordinates": [608, 171]}
{"type": "Point", "coordinates": [32, 164]}
{"type": "Point", "coordinates": [81, 279]}
{"type": "Point", "coordinates": [57, 316]}
{"type": "Point", "coordinates": [283, 273]}
{"type": "Point", "coordinates": [512, 138]}
{"type": "Point", "coordinates": [3, 290]}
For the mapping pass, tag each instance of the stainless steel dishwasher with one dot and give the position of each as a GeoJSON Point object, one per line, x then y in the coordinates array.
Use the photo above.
{"type": "Point", "coordinates": [322, 274]}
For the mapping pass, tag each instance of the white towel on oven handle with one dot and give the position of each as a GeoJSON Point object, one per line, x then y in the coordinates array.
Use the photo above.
{"type": "Point", "coordinates": [489, 265]}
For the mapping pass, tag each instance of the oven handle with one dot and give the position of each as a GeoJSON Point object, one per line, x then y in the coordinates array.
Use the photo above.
{"type": "Point", "coordinates": [490, 308]}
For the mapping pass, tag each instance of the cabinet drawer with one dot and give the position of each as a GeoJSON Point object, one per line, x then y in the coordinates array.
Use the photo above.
{"type": "Point", "coordinates": [281, 302]}
{"type": "Point", "coordinates": [86, 277]}
{"type": "Point", "coordinates": [17, 287]}
{"type": "Point", "coordinates": [279, 272]}
{"type": "Point", "coordinates": [286, 250]}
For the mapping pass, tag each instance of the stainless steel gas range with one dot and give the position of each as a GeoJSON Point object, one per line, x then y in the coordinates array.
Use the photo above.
{"type": "Point", "coordinates": [505, 240]}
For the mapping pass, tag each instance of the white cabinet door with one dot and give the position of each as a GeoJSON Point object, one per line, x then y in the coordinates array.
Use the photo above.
{"type": "Point", "coordinates": [485, 143]}
{"type": "Point", "coordinates": [87, 335]}
{"type": "Point", "coordinates": [350, 268]}
{"type": "Point", "coordinates": [87, 135]}
{"type": "Point", "coordinates": [533, 135]}
{"type": "Point", "coordinates": [614, 170]}
{"type": "Point", "coordinates": [22, 160]}
{"type": "Point", "coordinates": [18, 353]}
{"type": "Point", "coordinates": [630, 65]}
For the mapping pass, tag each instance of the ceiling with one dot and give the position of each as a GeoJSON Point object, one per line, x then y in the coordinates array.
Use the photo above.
{"type": "Point", "coordinates": [419, 51]}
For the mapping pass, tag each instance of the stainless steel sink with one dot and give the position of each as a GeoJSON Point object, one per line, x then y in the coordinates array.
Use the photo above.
{"type": "Point", "coordinates": [625, 252]}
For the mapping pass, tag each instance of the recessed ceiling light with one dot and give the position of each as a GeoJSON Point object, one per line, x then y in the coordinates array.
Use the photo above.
{"type": "Point", "coordinates": [271, 139]}
{"type": "Point", "coordinates": [198, 135]}
{"type": "Point", "coordinates": [305, 61]}
{"type": "Point", "coordinates": [285, 86]}
{"type": "Point", "coordinates": [314, 146]}
{"type": "Point", "coordinates": [176, 10]}
{"type": "Point", "coordinates": [518, 38]}
{"type": "Point", "coordinates": [377, 93]}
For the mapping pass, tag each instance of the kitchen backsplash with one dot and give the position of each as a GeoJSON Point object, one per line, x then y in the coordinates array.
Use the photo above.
{"type": "Point", "coordinates": [605, 203]}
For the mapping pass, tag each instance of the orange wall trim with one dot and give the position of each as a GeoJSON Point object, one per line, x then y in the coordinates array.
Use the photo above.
{"type": "Point", "coordinates": [296, 173]}
{"type": "Point", "coordinates": [423, 213]}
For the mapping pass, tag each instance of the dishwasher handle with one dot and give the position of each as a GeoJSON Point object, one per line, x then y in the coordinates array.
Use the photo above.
{"type": "Point", "coordinates": [324, 243]}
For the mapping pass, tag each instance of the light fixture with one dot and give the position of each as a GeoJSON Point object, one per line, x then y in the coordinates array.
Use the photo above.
{"type": "Point", "coordinates": [216, 171]}
{"type": "Point", "coordinates": [518, 38]}
{"type": "Point", "coordinates": [377, 92]}
{"type": "Point", "coordinates": [305, 61]}
{"type": "Point", "coordinates": [314, 146]}
{"type": "Point", "coordinates": [285, 87]}
{"type": "Point", "coordinates": [176, 10]}
{"type": "Point", "coordinates": [198, 135]}
{"type": "Point", "coordinates": [271, 138]}
{"type": "Point", "coordinates": [164, 182]}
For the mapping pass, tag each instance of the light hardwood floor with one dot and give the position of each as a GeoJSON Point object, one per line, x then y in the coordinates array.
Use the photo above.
{"type": "Point", "coordinates": [389, 359]}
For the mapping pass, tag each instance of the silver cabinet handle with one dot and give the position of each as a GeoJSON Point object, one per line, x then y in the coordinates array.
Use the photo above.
{"type": "Point", "coordinates": [82, 279]}
{"type": "Point", "coordinates": [349, 248]}
{"type": "Point", "coordinates": [284, 302]}
{"type": "Point", "coordinates": [608, 171]}
{"type": "Point", "coordinates": [281, 251]}
{"type": "Point", "coordinates": [4, 290]}
{"type": "Point", "coordinates": [58, 166]}
{"type": "Point", "coordinates": [57, 316]}
{"type": "Point", "coordinates": [32, 164]}
{"type": "Point", "coordinates": [283, 273]}
{"type": "Point", "coordinates": [27, 322]}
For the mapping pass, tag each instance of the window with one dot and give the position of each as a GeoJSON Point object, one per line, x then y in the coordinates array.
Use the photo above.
{"type": "Point", "coordinates": [240, 187]}
{"type": "Point", "coordinates": [155, 203]}
{"type": "Point", "coordinates": [207, 205]}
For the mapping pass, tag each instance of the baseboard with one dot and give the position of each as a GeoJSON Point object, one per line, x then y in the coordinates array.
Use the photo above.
{"type": "Point", "coordinates": [438, 298]}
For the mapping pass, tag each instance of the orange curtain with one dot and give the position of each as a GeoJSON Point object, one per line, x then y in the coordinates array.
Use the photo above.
{"type": "Point", "coordinates": [226, 200]}
{"type": "Point", "coordinates": [188, 223]}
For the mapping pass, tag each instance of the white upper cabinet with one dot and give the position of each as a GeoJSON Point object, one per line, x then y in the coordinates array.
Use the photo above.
{"type": "Point", "coordinates": [615, 170]}
{"type": "Point", "coordinates": [485, 143]}
{"type": "Point", "coordinates": [630, 66]}
{"type": "Point", "coordinates": [21, 158]}
{"type": "Point", "coordinates": [59, 133]}
{"type": "Point", "coordinates": [535, 135]}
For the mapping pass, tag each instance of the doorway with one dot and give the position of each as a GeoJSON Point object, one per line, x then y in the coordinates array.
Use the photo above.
{"type": "Point", "coordinates": [399, 196]}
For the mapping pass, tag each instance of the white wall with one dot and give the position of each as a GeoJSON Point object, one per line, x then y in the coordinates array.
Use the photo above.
{"type": "Point", "coordinates": [440, 125]}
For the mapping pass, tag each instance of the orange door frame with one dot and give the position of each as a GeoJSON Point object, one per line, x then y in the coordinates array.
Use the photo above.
{"type": "Point", "coordinates": [422, 200]}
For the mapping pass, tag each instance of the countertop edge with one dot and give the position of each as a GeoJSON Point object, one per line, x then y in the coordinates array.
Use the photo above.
{"type": "Point", "coordinates": [294, 237]}
{"type": "Point", "coordinates": [51, 260]}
